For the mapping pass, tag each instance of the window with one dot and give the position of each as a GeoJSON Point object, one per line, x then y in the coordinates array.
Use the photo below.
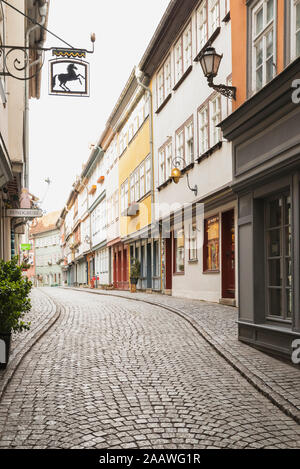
{"type": "Point", "coordinates": [214, 15]}
{"type": "Point", "coordinates": [168, 160]}
{"type": "Point", "coordinates": [263, 43]}
{"type": "Point", "coordinates": [148, 175]}
{"type": "Point", "coordinates": [202, 25]}
{"type": "Point", "coordinates": [187, 48]}
{"type": "Point", "coordinates": [136, 185]}
{"type": "Point", "coordinates": [279, 257]}
{"type": "Point", "coordinates": [215, 119]}
{"type": "Point", "coordinates": [142, 180]}
{"type": "Point", "coordinates": [178, 60]}
{"type": "Point", "coordinates": [180, 145]}
{"type": "Point", "coordinates": [193, 255]}
{"type": "Point", "coordinates": [203, 130]}
{"type": "Point", "coordinates": [211, 245]}
{"type": "Point", "coordinates": [164, 82]}
{"type": "Point", "coordinates": [162, 166]}
{"type": "Point", "coordinates": [189, 142]}
{"type": "Point", "coordinates": [124, 196]}
{"type": "Point", "coordinates": [132, 187]}
{"type": "Point", "coordinates": [295, 29]}
{"type": "Point", "coordinates": [179, 245]}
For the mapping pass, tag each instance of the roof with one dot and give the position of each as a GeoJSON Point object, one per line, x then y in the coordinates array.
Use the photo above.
{"type": "Point", "coordinates": [44, 224]}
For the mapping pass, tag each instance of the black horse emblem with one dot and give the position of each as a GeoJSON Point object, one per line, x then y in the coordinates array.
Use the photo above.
{"type": "Point", "coordinates": [65, 77]}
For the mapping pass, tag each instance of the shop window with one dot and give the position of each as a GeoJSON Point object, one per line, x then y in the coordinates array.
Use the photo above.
{"type": "Point", "coordinates": [211, 256]}
{"type": "Point", "coordinates": [193, 253]}
{"type": "Point", "coordinates": [179, 246]}
{"type": "Point", "coordinates": [295, 29]}
{"type": "Point", "coordinates": [279, 257]}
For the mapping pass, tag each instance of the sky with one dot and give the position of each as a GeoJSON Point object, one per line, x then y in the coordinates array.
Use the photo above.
{"type": "Point", "coordinates": [62, 128]}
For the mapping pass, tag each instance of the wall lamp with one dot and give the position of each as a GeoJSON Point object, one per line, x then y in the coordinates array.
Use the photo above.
{"type": "Point", "coordinates": [210, 63]}
{"type": "Point", "coordinates": [176, 174]}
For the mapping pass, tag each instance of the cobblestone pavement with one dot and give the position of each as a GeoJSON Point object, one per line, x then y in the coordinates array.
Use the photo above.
{"type": "Point", "coordinates": [278, 379]}
{"type": "Point", "coordinates": [113, 373]}
{"type": "Point", "coordinates": [42, 313]}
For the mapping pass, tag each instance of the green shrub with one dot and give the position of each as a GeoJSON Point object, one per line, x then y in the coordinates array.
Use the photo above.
{"type": "Point", "coordinates": [14, 301]}
{"type": "Point", "coordinates": [135, 269]}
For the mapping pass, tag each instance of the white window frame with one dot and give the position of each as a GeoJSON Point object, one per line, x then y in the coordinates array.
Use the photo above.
{"type": "Point", "coordinates": [189, 142]}
{"type": "Point", "coordinates": [213, 15]}
{"type": "Point", "coordinates": [215, 115]}
{"type": "Point", "coordinates": [168, 153]}
{"type": "Point", "coordinates": [161, 166]}
{"type": "Point", "coordinates": [187, 47]}
{"type": "Point", "coordinates": [262, 37]}
{"type": "Point", "coordinates": [294, 31]}
{"type": "Point", "coordinates": [148, 174]}
{"type": "Point", "coordinates": [203, 129]}
{"type": "Point", "coordinates": [178, 60]}
{"type": "Point", "coordinates": [180, 146]}
{"type": "Point", "coordinates": [202, 23]}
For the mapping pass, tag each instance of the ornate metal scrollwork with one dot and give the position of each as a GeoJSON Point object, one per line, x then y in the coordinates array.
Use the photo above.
{"type": "Point", "coordinates": [16, 61]}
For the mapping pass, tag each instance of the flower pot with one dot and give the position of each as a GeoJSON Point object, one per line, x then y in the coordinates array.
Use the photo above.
{"type": "Point", "coordinates": [132, 288]}
{"type": "Point", "coordinates": [5, 339]}
{"type": "Point", "coordinates": [134, 280]}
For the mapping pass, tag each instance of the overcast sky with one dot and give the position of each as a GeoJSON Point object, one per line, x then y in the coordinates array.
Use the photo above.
{"type": "Point", "coordinates": [61, 128]}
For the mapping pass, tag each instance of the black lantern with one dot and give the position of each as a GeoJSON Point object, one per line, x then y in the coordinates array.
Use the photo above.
{"type": "Point", "coordinates": [210, 63]}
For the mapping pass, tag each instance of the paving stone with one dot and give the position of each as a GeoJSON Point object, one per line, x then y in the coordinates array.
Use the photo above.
{"type": "Point", "coordinates": [113, 373]}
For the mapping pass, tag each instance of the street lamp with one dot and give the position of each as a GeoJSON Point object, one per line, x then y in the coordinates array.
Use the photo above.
{"type": "Point", "coordinates": [210, 63]}
{"type": "Point", "coordinates": [176, 174]}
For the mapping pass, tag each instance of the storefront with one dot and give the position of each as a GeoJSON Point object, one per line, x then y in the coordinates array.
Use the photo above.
{"type": "Point", "coordinates": [266, 153]}
{"type": "Point", "coordinates": [147, 251]}
{"type": "Point", "coordinates": [120, 263]}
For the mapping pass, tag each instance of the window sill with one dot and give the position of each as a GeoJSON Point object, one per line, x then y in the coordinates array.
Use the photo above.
{"type": "Point", "coordinates": [209, 152]}
{"type": "Point", "coordinates": [178, 273]}
{"type": "Point", "coordinates": [162, 105]}
{"type": "Point", "coordinates": [211, 272]}
{"type": "Point", "coordinates": [164, 184]}
{"type": "Point", "coordinates": [181, 80]}
{"type": "Point", "coordinates": [226, 18]}
{"type": "Point", "coordinates": [212, 38]}
{"type": "Point", "coordinates": [193, 261]}
{"type": "Point", "coordinates": [187, 168]}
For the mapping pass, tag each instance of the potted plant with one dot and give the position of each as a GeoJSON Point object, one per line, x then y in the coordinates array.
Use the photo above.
{"type": "Point", "coordinates": [14, 303]}
{"type": "Point", "coordinates": [135, 272]}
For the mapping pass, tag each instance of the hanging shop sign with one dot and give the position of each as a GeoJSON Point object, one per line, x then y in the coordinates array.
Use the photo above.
{"type": "Point", "coordinates": [24, 213]}
{"type": "Point", "coordinates": [68, 77]}
{"type": "Point", "coordinates": [25, 247]}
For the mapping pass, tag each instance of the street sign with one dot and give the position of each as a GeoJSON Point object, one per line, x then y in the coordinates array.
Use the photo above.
{"type": "Point", "coordinates": [24, 213]}
{"type": "Point", "coordinates": [68, 77]}
{"type": "Point", "coordinates": [25, 247]}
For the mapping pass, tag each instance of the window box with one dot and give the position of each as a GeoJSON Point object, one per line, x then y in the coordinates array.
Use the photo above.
{"type": "Point", "coordinates": [209, 152]}
{"type": "Point", "coordinates": [164, 184]}
{"type": "Point", "coordinates": [133, 210]}
{"type": "Point", "coordinates": [92, 190]}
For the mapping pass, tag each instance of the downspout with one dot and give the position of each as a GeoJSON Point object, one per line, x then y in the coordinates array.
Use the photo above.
{"type": "Point", "coordinates": [43, 14]}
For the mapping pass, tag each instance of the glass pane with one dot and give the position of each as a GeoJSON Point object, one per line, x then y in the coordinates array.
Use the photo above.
{"type": "Point", "coordinates": [275, 296]}
{"type": "Point", "coordinates": [297, 16]}
{"type": "Point", "coordinates": [288, 241]}
{"type": "Point", "coordinates": [274, 243]}
{"type": "Point", "coordinates": [288, 264]}
{"type": "Point", "coordinates": [289, 303]}
{"type": "Point", "coordinates": [275, 276]}
{"type": "Point", "coordinates": [259, 53]}
{"type": "Point", "coordinates": [288, 210]}
{"type": "Point", "coordinates": [298, 44]}
{"type": "Point", "coordinates": [275, 213]}
{"type": "Point", "coordinates": [259, 21]}
{"type": "Point", "coordinates": [259, 78]}
{"type": "Point", "coordinates": [270, 10]}
{"type": "Point", "coordinates": [269, 69]}
{"type": "Point", "coordinates": [270, 43]}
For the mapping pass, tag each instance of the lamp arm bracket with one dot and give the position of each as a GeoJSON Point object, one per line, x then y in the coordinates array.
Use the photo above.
{"type": "Point", "coordinates": [193, 189]}
{"type": "Point", "coordinates": [227, 91]}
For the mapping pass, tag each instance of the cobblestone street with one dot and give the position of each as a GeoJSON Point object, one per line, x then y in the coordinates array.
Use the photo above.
{"type": "Point", "coordinates": [114, 373]}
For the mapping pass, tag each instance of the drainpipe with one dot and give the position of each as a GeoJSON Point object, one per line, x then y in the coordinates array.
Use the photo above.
{"type": "Point", "coordinates": [43, 13]}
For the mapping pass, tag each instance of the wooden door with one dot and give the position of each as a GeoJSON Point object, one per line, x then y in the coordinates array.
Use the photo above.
{"type": "Point", "coordinates": [228, 255]}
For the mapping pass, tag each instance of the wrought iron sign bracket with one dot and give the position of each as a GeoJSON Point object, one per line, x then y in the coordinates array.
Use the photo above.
{"type": "Point", "coordinates": [16, 59]}
{"type": "Point", "coordinates": [227, 91]}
